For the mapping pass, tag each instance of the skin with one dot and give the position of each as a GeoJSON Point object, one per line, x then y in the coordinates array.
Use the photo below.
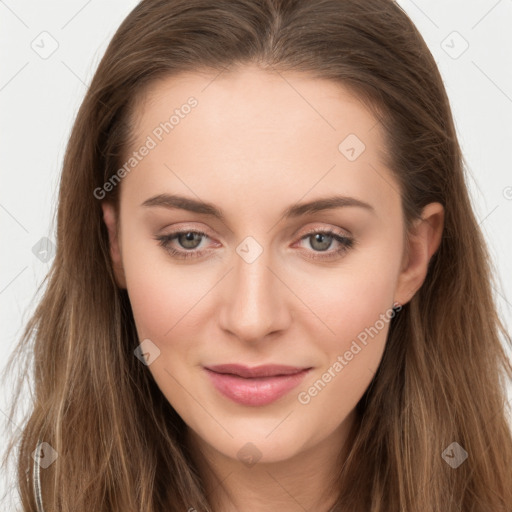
{"type": "Point", "coordinates": [253, 146]}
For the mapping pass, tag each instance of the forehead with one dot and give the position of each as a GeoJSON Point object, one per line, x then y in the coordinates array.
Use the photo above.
{"type": "Point", "coordinates": [254, 131]}
{"type": "Point", "coordinates": [260, 101]}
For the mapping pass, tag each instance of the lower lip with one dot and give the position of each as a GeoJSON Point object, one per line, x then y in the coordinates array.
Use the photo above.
{"type": "Point", "coordinates": [255, 391]}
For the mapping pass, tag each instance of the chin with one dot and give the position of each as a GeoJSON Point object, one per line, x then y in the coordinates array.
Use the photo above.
{"type": "Point", "coordinates": [259, 445]}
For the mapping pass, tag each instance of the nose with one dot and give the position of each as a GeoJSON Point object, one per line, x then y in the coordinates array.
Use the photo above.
{"type": "Point", "coordinates": [255, 301]}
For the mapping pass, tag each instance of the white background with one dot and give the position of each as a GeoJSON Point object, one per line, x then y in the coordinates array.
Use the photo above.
{"type": "Point", "coordinates": [40, 97]}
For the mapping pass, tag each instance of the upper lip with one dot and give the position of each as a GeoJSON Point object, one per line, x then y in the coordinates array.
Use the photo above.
{"type": "Point", "coordinates": [267, 370]}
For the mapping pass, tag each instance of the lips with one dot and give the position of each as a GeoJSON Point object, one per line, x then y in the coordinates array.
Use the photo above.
{"type": "Point", "coordinates": [256, 386]}
{"type": "Point", "coordinates": [268, 370]}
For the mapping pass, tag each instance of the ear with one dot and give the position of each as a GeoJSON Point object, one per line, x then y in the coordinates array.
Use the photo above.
{"type": "Point", "coordinates": [111, 221]}
{"type": "Point", "coordinates": [424, 240]}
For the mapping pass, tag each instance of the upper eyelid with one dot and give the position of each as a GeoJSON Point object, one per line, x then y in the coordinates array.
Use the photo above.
{"type": "Point", "coordinates": [306, 232]}
{"type": "Point", "coordinates": [319, 226]}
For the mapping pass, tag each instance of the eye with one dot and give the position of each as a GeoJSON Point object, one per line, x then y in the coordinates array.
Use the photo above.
{"type": "Point", "coordinates": [188, 240]}
{"type": "Point", "coordinates": [320, 240]}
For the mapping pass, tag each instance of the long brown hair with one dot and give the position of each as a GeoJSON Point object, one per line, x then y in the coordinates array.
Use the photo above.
{"type": "Point", "coordinates": [443, 376]}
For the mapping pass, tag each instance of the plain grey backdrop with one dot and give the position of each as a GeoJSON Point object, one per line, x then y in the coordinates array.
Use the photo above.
{"type": "Point", "coordinates": [50, 50]}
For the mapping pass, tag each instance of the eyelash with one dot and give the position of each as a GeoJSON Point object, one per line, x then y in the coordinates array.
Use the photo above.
{"type": "Point", "coordinates": [346, 244]}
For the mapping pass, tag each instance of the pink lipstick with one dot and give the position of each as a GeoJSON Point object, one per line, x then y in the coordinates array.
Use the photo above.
{"type": "Point", "coordinates": [256, 386]}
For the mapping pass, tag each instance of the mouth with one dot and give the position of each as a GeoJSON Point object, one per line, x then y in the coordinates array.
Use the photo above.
{"type": "Point", "coordinates": [267, 370]}
{"type": "Point", "coordinates": [256, 386]}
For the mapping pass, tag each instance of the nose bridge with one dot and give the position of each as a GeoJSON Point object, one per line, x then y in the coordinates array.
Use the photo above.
{"type": "Point", "coordinates": [254, 303]}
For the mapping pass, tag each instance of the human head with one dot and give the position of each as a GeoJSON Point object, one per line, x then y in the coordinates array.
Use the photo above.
{"type": "Point", "coordinates": [375, 55]}
{"type": "Point", "coordinates": [253, 147]}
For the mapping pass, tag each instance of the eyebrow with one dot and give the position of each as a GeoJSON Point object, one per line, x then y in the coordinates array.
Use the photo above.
{"type": "Point", "coordinates": [172, 201]}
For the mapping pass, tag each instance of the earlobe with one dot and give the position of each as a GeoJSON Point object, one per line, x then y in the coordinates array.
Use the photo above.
{"type": "Point", "coordinates": [110, 219]}
{"type": "Point", "coordinates": [424, 240]}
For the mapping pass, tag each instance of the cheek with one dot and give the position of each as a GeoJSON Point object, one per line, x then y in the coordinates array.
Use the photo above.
{"type": "Point", "coordinates": [359, 311]}
{"type": "Point", "coordinates": [162, 297]}
{"type": "Point", "coordinates": [358, 322]}
{"type": "Point", "coordinates": [153, 302]}
{"type": "Point", "coordinates": [165, 307]}
{"type": "Point", "coordinates": [348, 300]}
{"type": "Point", "coordinates": [355, 305]}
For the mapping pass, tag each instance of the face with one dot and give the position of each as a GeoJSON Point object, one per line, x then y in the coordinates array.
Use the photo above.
{"type": "Point", "coordinates": [256, 277]}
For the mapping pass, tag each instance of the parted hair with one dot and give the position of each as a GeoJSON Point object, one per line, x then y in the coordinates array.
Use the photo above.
{"type": "Point", "coordinates": [444, 371]}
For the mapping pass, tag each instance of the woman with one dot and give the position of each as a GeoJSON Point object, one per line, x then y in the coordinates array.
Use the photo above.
{"type": "Point", "coordinates": [270, 289]}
